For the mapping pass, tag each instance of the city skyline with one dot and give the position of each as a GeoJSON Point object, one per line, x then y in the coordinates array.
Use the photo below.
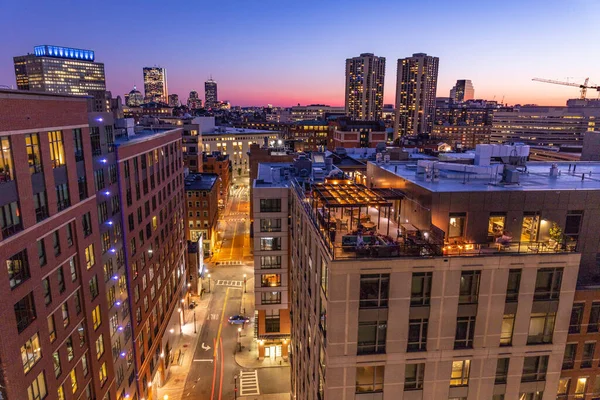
{"type": "Point", "coordinates": [270, 64]}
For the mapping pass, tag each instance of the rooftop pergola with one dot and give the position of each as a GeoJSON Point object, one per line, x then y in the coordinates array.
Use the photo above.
{"type": "Point", "coordinates": [345, 194]}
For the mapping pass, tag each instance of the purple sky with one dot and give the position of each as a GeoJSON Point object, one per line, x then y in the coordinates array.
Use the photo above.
{"type": "Point", "coordinates": [285, 53]}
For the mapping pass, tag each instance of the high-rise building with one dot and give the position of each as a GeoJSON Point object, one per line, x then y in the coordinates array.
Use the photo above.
{"type": "Point", "coordinates": [416, 86]}
{"type": "Point", "coordinates": [155, 84]}
{"type": "Point", "coordinates": [194, 102]}
{"type": "Point", "coordinates": [134, 98]}
{"type": "Point", "coordinates": [364, 87]}
{"type": "Point", "coordinates": [56, 329]}
{"type": "Point", "coordinates": [462, 91]}
{"type": "Point", "coordinates": [210, 93]}
{"type": "Point", "coordinates": [173, 100]}
{"type": "Point", "coordinates": [150, 176]}
{"type": "Point", "coordinates": [62, 70]}
{"type": "Point", "coordinates": [440, 307]}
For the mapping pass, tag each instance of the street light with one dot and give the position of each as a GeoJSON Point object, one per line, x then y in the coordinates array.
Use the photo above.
{"type": "Point", "coordinates": [245, 283]}
{"type": "Point", "coordinates": [182, 308]}
{"type": "Point", "coordinates": [189, 293]}
{"type": "Point", "coordinates": [195, 321]}
{"type": "Point", "coordinates": [240, 339]}
{"type": "Point", "coordinates": [208, 283]}
{"type": "Point", "coordinates": [180, 326]}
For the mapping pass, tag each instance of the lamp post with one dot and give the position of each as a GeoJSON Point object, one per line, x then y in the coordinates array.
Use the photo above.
{"type": "Point", "coordinates": [208, 283]}
{"type": "Point", "coordinates": [189, 285]}
{"type": "Point", "coordinates": [195, 321]}
{"type": "Point", "coordinates": [245, 283]}
{"type": "Point", "coordinates": [239, 339]}
{"type": "Point", "coordinates": [180, 326]}
{"type": "Point", "coordinates": [183, 310]}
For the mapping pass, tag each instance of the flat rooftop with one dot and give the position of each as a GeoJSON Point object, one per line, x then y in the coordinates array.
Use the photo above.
{"type": "Point", "coordinates": [142, 135]}
{"type": "Point", "coordinates": [535, 177]}
{"type": "Point", "coordinates": [221, 130]}
{"type": "Point", "coordinates": [269, 175]}
{"type": "Point", "coordinates": [200, 181]}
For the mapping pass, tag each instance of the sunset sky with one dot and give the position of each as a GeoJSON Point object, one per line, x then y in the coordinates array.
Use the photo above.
{"type": "Point", "coordinates": [289, 52]}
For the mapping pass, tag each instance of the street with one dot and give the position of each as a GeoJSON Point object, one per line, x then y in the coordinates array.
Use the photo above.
{"type": "Point", "coordinates": [213, 372]}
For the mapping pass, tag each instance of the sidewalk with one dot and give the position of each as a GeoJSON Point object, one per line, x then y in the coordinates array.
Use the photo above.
{"type": "Point", "coordinates": [277, 396]}
{"type": "Point", "coordinates": [248, 357]}
{"type": "Point", "coordinates": [187, 343]}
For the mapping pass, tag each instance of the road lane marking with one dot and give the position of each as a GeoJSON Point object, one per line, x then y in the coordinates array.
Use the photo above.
{"type": "Point", "coordinates": [249, 383]}
{"type": "Point", "coordinates": [230, 283]}
{"type": "Point", "coordinates": [222, 369]}
{"type": "Point", "coordinates": [204, 360]}
{"type": "Point", "coordinates": [221, 323]}
{"type": "Point", "coordinates": [212, 390]}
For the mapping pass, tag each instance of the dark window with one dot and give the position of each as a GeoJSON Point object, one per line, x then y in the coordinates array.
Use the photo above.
{"type": "Point", "coordinates": [501, 370]}
{"type": "Point", "coordinates": [56, 242]}
{"type": "Point", "coordinates": [62, 196]}
{"type": "Point", "coordinates": [110, 139]}
{"type": "Point", "coordinates": [272, 321]}
{"type": "Point", "coordinates": [374, 290]}
{"type": "Point", "coordinates": [95, 136]}
{"type": "Point", "coordinates": [102, 212]}
{"type": "Point", "coordinates": [112, 174]}
{"type": "Point", "coordinates": [60, 276]}
{"type": "Point", "coordinates": [371, 337]}
{"type": "Point", "coordinates": [99, 179]}
{"type": "Point", "coordinates": [588, 354]}
{"type": "Point", "coordinates": [18, 269]}
{"type": "Point", "coordinates": [69, 235]}
{"type": "Point", "coordinates": [414, 375]}
{"type": "Point", "coordinates": [40, 204]}
{"type": "Point", "coordinates": [465, 331]}
{"type": "Point", "coordinates": [534, 369]}
{"type": "Point", "coordinates": [576, 318]}
{"type": "Point", "coordinates": [417, 335]}
{"type": "Point", "coordinates": [131, 222]}
{"type": "Point", "coordinates": [594, 317]}
{"type": "Point", "coordinates": [82, 185]}
{"type": "Point", "coordinates": [469, 287]}
{"type": "Point", "coordinates": [86, 223]}
{"type": "Point", "coordinates": [572, 227]}
{"type": "Point", "coordinates": [25, 312]}
{"type": "Point", "coordinates": [78, 144]}
{"type": "Point", "coordinates": [47, 291]}
{"type": "Point", "coordinates": [94, 287]}
{"type": "Point", "coordinates": [569, 358]}
{"type": "Point", "coordinates": [10, 220]}
{"type": "Point", "coordinates": [513, 285]}
{"type": "Point", "coordinates": [270, 205]}
{"type": "Point", "coordinates": [420, 294]}
{"type": "Point", "coordinates": [41, 246]}
{"type": "Point", "coordinates": [547, 284]}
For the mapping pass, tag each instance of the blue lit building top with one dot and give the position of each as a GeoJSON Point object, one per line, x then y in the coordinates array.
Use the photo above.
{"type": "Point", "coordinates": [63, 52]}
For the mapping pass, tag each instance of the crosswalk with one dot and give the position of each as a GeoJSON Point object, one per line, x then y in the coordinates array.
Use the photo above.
{"type": "Point", "coordinates": [249, 383]}
{"type": "Point", "coordinates": [229, 263]}
{"type": "Point", "coordinates": [230, 283]}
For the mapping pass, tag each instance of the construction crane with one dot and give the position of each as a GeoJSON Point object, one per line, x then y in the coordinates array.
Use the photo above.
{"type": "Point", "coordinates": [584, 87]}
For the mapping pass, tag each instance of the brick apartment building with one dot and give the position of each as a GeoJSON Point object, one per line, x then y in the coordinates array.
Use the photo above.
{"type": "Point", "coordinates": [150, 175]}
{"type": "Point", "coordinates": [202, 199]}
{"type": "Point", "coordinates": [55, 331]}
{"type": "Point", "coordinates": [219, 164]}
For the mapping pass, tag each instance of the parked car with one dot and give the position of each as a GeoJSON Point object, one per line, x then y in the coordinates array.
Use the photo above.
{"type": "Point", "coordinates": [238, 319]}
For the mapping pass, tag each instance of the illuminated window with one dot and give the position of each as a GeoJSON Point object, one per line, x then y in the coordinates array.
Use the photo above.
{"type": "Point", "coordinates": [90, 259]}
{"type": "Point", "coordinates": [57, 151]}
{"type": "Point", "coordinates": [460, 373]}
{"type": "Point", "coordinates": [96, 317]}
{"type": "Point", "coordinates": [31, 352]}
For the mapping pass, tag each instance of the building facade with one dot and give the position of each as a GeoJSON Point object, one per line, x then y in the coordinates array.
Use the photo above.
{"type": "Point", "coordinates": [219, 164]}
{"type": "Point", "coordinates": [62, 70]}
{"type": "Point", "coordinates": [311, 135]}
{"type": "Point", "coordinates": [210, 94]}
{"type": "Point", "coordinates": [173, 100]}
{"type": "Point", "coordinates": [351, 134]}
{"type": "Point", "coordinates": [194, 102]}
{"type": "Point", "coordinates": [202, 201]}
{"type": "Point", "coordinates": [416, 86]}
{"type": "Point", "coordinates": [462, 91]}
{"type": "Point", "coordinates": [150, 179]}
{"type": "Point", "coordinates": [365, 77]}
{"type": "Point", "coordinates": [463, 136]}
{"type": "Point", "coordinates": [55, 329]}
{"type": "Point", "coordinates": [472, 299]}
{"type": "Point", "coordinates": [543, 126]}
{"type": "Point", "coordinates": [314, 112]}
{"type": "Point", "coordinates": [155, 84]}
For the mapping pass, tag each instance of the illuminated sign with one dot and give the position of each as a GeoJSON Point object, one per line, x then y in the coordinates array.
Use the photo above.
{"type": "Point", "coordinates": [63, 52]}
